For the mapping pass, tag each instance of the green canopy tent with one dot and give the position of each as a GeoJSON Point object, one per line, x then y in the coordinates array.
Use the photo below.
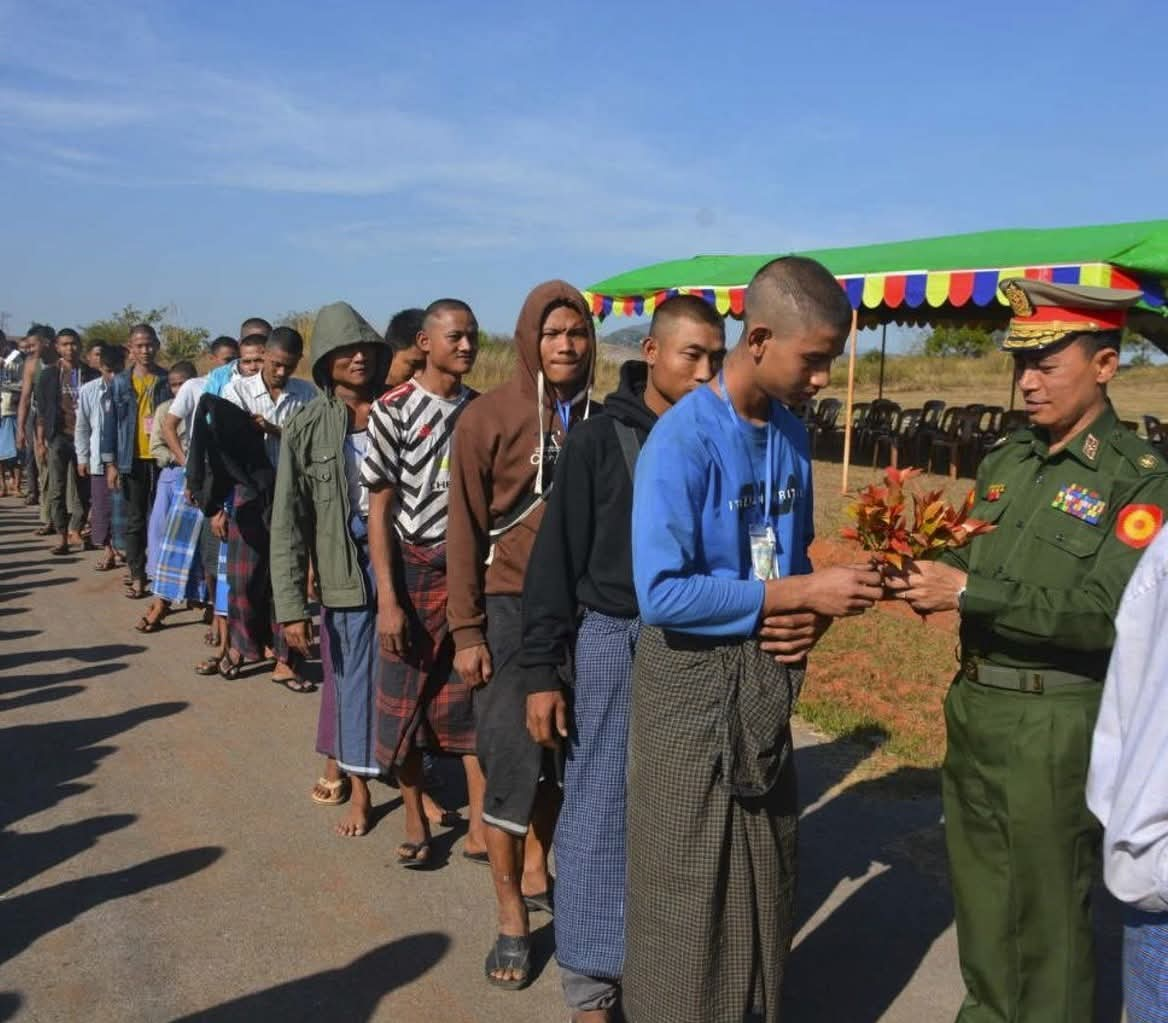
{"type": "Point", "coordinates": [927, 281]}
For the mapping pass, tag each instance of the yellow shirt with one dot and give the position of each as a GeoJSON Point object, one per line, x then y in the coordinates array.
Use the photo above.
{"type": "Point", "coordinates": [144, 392]}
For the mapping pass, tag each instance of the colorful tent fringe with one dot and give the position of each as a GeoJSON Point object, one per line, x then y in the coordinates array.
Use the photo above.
{"type": "Point", "coordinates": [903, 291]}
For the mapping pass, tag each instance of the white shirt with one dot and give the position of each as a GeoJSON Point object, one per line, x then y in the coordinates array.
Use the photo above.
{"type": "Point", "coordinates": [1127, 786]}
{"type": "Point", "coordinates": [184, 404]}
{"type": "Point", "coordinates": [251, 393]}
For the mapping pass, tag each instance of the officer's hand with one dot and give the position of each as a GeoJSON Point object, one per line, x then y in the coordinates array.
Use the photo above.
{"type": "Point", "coordinates": [928, 586]}
{"type": "Point", "coordinates": [547, 718]}
{"type": "Point", "coordinates": [298, 636]}
{"type": "Point", "coordinates": [843, 590]}
{"type": "Point", "coordinates": [473, 665]}
{"type": "Point", "coordinates": [790, 637]}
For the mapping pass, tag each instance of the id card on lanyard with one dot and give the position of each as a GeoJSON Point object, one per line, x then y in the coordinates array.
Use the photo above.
{"type": "Point", "coordinates": [764, 560]}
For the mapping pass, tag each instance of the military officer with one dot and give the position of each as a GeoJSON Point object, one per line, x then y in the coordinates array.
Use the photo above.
{"type": "Point", "coordinates": [1075, 498]}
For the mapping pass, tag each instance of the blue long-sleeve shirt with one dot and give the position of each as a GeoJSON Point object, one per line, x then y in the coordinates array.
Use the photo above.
{"type": "Point", "coordinates": [695, 499]}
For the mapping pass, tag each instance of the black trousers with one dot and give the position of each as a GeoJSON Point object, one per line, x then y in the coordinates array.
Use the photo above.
{"type": "Point", "coordinates": [138, 491]}
{"type": "Point", "coordinates": [68, 492]}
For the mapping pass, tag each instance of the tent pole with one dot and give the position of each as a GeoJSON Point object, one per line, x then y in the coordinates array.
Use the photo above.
{"type": "Point", "coordinates": [883, 343]}
{"type": "Point", "coordinates": [851, 402]}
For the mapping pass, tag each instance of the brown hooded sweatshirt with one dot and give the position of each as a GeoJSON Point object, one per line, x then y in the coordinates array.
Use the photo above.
{"type": "Point", "coordinates": [499, 442]}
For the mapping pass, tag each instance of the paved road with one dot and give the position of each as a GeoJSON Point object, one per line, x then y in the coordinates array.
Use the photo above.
{"type": "Point", "coordinates": [160, 859]}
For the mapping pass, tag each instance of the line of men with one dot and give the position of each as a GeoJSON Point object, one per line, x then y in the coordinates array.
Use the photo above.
{"type": "Point", "coordinates": [605, 612]}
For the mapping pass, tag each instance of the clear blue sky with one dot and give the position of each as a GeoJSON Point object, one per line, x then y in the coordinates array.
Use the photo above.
{"type": "Point", "coordinates": [230, 159]}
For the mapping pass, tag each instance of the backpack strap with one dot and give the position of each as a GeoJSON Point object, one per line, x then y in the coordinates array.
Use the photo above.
{"type": "Point", "coordinates": [630, 445]}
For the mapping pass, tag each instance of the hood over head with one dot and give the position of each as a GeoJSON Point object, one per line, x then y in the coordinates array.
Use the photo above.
{"type": "Point", "coordinates": [627, 402]}
{"type": "Point", "coordinates": [337, 326]}
{"type": "Point", "coordinates": [539, 303]}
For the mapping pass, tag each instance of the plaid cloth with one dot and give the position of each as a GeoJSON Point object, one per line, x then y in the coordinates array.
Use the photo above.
{"type": "Point", "coordinates": [711, 874]}
{"type": "Point", "coordinates": [1145, 966]}
{"type": "Point", "coordinates": [590, 835]}
{"type": "Point", "coordinates": [178, 569]}
{"type": "Point", "coordinates": [167, 491]}
{"type": "Point", "coordinates": [421, 701]}
{"type": "Point", "coordinates": [250, 610]}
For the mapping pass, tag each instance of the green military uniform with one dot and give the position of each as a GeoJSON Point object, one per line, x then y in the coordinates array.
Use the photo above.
{"type": "Point", "coordinates": [1037, 629]}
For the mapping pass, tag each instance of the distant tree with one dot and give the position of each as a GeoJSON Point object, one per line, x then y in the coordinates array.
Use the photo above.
{"type": "Point", "coordinates": [177, 342]}
{"type": "Point", "coordinates": [303, 322]}
{"type": "Point", "coordinates": [183, 342]}
{"type": "Point", "coordinates": [960, 341]}
{"type": "Point", "coordinates": [1140, 347]}
{"type": "Point", "coordinates": [116, 327]}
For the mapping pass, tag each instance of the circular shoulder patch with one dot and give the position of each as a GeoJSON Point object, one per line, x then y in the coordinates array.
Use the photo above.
{"type": "Point", "coordinates": [1147, 461]}
{"type": "Point", "coordinates": [1138, 524]}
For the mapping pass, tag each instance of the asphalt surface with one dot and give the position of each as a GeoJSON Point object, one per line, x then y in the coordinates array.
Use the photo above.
{"type": "Point", "coordinates": [160, 858]}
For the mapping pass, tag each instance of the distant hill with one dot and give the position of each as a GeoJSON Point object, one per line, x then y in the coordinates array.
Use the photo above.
{"type": "Point", "coordinates": [627, 337]}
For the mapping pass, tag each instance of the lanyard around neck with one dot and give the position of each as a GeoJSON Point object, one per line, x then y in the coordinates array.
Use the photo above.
{"type": "Point", "coordinates": [765, 496]}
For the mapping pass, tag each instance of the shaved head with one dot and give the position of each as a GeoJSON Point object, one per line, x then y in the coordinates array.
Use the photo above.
{"type": "Point", "coordinates": [445, 305]}
{"type": "Point", "coordinates": [685, 307]}
{"type": "Point", "coordinates": [794, 293]}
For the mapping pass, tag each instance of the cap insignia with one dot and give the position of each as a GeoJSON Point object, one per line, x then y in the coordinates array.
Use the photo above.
{"type": "Point", "coordinates": [1018, 299]}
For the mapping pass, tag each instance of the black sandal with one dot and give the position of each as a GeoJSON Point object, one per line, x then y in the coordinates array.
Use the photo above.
{"type": "Point", "coordinates": [510, 952]}
{"type": "Point", "coordinates": [229, 667]}
{"type": "Point", "coordinates": [295, 683]}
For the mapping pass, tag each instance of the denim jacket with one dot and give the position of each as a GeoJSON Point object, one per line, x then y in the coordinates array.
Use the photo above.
{"type": "Point", "coordinates": [119, 429]}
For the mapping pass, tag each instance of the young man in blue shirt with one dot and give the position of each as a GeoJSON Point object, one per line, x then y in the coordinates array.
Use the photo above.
{"type": "Point", "coordinates": [722, 520]}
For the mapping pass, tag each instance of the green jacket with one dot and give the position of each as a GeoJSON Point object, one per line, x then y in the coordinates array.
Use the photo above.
{"type": "Point", "coordinates": [310, 509]}
{"type": "Point", "coordinates": [1043, 588]}
{"type": "Point", "coordinates": [310, 514]}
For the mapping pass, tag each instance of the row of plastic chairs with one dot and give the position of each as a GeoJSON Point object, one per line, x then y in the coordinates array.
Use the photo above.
{"type": "Point", "coordinates": [917, 435]}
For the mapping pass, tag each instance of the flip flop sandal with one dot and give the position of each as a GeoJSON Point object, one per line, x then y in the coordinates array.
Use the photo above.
{"type": "Point", "coordinates": [104, 566]}
{"type": "Point", "coordinates": [510, 952]}
{"type": "Point", "coordinates": [146, 624]}
{"type": "Point", "coordinates": [479, 857]}
{"type": "Point", "coordinates": [208, 667]}
{"type": "Point", "coordinates": [229, 667]}
{"type": "Point", "coordinates": [135, 594]}
{"type": "Point", "coordinates": [60, 550]}
{"type": "Point", "coordinates": [417, 855]}
{"type": "Point", "coordinates": [338, 791]}
{"type": "Point", "coordinates": [44, 531]}
{"type": "Point", "coordinates": [295, 684]}
{"type": "Point", "coordinates": [540, 902]}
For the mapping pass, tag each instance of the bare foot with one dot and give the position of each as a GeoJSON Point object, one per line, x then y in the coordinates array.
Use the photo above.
{"type": "Point", "coordinates": [355, 823]}
{"type": "Point", "coordinates": [437, 816]}
{"type": "Point", "coordinates": [592, 1016]}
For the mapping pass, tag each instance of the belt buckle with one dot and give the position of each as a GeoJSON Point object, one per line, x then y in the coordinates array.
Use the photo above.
{"type": "Point", "coordinates": [1032, 681]}
{"type": "Point", "coordinates": [969, 669]}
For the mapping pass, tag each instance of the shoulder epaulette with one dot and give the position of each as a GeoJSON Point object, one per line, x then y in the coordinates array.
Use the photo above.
{"type": "Point", "coordinates": [1147, 459]}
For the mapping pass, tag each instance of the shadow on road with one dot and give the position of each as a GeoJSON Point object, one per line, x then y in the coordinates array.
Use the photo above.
{"type": "Point", "coordinates": [10, 591]}
{"type": "Point", "coordinates": [10, 1003]}
{"type": "Point", "coordinates": [40, 696]}
{"type": "Point", "coordinates": [85, 654]}
{"type": "Point", "coordinates": [48, 757]}
{"type": "Point", "coordinates": [15, 683]}
{"type": "Point", "coordinates": [27, 854]}
{"type": "Point", "coordinates": [882, 837]}
{"type": "Point", "coordinates": [26, 918]}
{"type": "Point", "coordinates": [349, 994]}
